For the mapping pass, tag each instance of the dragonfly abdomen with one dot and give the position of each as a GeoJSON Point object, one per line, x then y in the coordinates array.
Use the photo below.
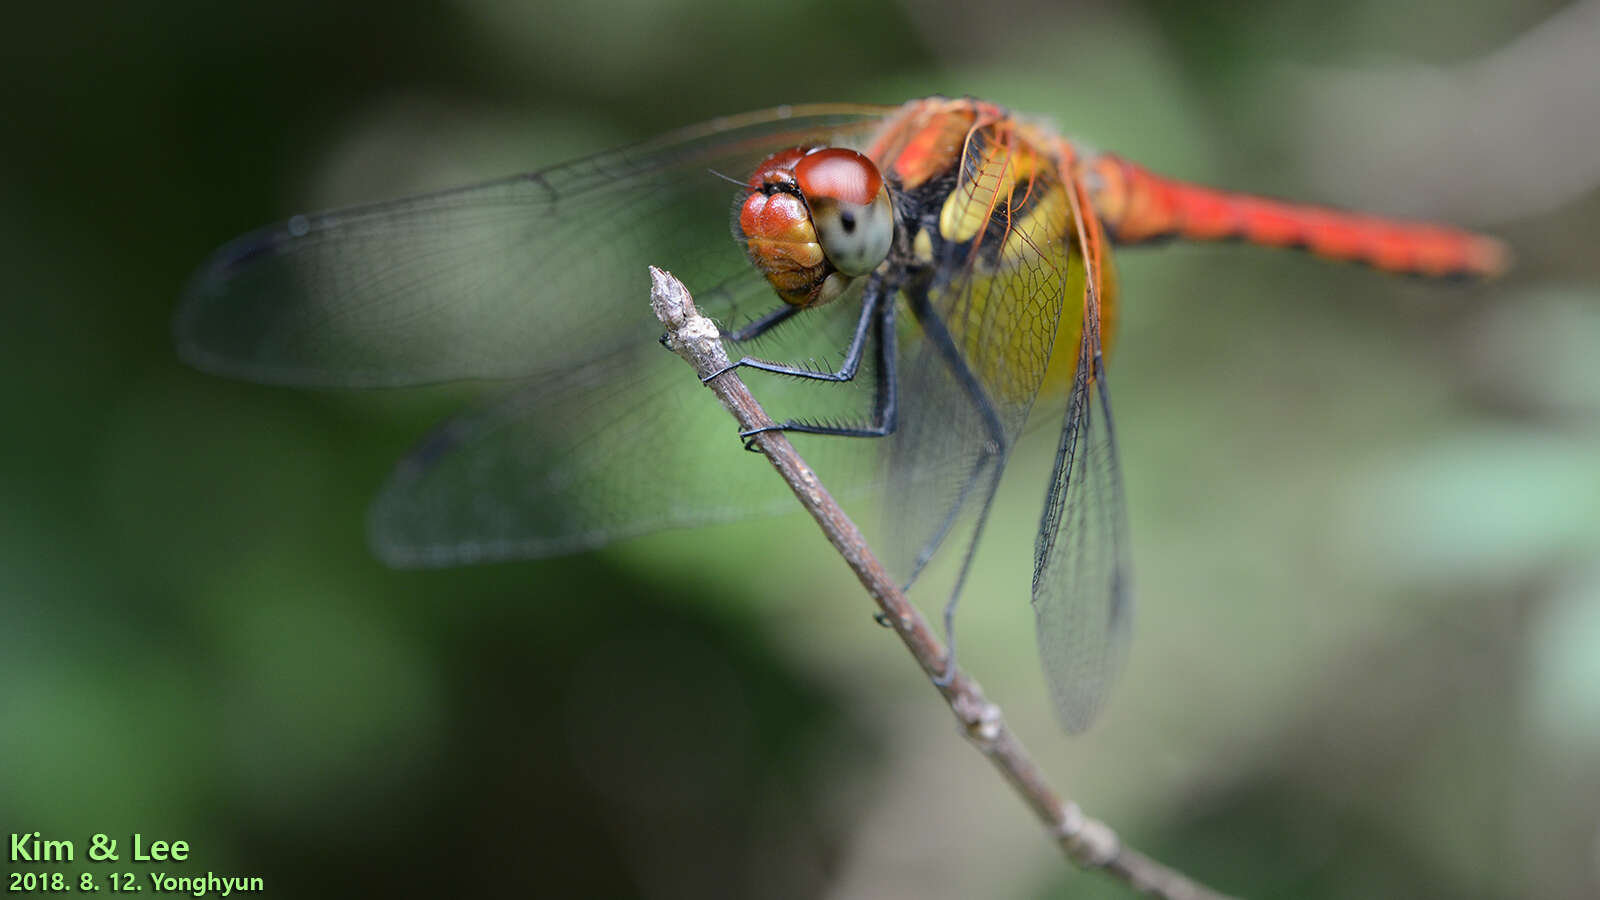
{"type": "Point", "coordinates": [1137, 205]}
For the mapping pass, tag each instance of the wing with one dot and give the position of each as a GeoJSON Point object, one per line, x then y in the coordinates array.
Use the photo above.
{"type": "Point", "coordinates": [542, 278]}
{"type": "Point", "coordinates": [523, 275]}
{"type": "Point", "coordinates": [1081, 591]}
{"type": "Point", "coordinates": [629, 444]}
{"type": "Point", "coordinates": [976, 363]}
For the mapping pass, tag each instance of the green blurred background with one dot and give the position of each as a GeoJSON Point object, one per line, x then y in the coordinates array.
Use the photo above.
{"type": "Point", "coordinates": [1365, 511]}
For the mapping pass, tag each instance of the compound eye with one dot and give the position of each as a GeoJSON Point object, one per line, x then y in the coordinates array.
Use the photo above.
{"type": "Point", "coordinates": [850, 208]}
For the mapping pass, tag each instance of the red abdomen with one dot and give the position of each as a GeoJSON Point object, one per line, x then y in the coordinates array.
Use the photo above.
{"type": "Point", "coordinates": [1137, 205]}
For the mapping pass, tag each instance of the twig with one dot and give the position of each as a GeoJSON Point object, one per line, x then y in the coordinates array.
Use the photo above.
{"type": "Point", "coordinates": [1088, 842]}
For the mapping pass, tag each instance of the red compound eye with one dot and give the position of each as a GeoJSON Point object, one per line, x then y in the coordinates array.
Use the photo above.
{"type": "Point", "coordinates": [838, 174]}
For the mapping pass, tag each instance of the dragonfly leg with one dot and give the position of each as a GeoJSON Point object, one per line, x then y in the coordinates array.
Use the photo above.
{"type": "Point", "coordinates": [986, 468]}
{"type": "Point", "coordinates": [761, 326]}
{"type": "Point", "coordinates": [966, 563]}
{"type": "Point", "coordinates": [945, 345]}
{"type": "Point", "coordinates": [852, 356]}
{"type": "Point", "coordinates": [877, 322]}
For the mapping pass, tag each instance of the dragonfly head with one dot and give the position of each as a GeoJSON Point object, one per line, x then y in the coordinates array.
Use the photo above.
{"type": "Point", "coordinates": [815, 219]}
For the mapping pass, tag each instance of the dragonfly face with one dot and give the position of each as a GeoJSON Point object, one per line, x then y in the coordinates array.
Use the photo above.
{"type": "Point", "coordinates": [940, 269]}
{"type": "Point", "coordinates": [816, 218]}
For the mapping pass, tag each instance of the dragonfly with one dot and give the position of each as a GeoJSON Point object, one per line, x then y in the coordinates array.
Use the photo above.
{"type": "Point", "coordinates": [904, 286]}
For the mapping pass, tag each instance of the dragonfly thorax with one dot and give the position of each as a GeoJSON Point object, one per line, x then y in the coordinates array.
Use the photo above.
{"type": "Point", "coordinates": [815, 219]}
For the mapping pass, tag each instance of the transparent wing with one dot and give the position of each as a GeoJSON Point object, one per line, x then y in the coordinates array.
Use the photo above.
{"type": "Point", "coordinates": [523, 275]}
{"type": "Point", "coordinates": [628, 444]}
{"type": "Point", "coordinates": [978, 357]}
{"type": "Point", "coordinates": [1081, 585]}
{"type": "Point", "coordinates": [541, 278]}
{"type": "Point", "coordinates": [1081, 591]}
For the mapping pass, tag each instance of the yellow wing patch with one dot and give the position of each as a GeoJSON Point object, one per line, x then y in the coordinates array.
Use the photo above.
{"type": "Point", "coordinates": [1008, 191]}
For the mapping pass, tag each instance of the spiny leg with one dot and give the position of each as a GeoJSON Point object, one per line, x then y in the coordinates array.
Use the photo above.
{"type": "Point", "coordinates": [766, 323]}
{"type": "Point", "coordinates": [940, 337]}
{"type": "Point", "coordinates": [852, 357]}
{"type": "Point", "coordinates": [989, 457]}
{"type": "Point", "coordinates": [877, 323]}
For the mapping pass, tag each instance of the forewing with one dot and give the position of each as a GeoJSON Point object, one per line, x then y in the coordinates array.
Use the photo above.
{"type": "Point", "coordinates": [998, 296]}
{"type": "Point", "coordinates": [524, 275]}
{"type": "Point", "coordinates": [1081, 591]}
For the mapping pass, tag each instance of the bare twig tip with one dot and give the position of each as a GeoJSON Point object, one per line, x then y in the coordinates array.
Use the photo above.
{"type": "Point", "coordinates": [689, 334]}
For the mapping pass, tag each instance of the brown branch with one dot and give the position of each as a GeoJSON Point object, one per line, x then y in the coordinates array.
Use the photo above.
{"type": "Point", "coordinates": [1088, 842]}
